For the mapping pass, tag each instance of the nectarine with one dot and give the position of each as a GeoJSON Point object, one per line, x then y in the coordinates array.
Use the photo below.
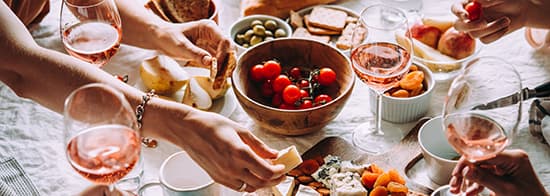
{"type": "Point", "coordinates": [428, 35]}
{"type": "Point", "coordinates": [456, 44]}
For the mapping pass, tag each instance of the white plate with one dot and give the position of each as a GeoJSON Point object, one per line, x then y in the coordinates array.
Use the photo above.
{"type": "Point", "coordinates": [223, 106]}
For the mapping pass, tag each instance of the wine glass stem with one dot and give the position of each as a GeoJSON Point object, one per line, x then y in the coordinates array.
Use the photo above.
{"type": "Point", "coordinates": [378, 118]}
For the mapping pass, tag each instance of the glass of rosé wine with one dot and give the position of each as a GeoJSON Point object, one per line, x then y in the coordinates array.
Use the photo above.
{"type": "Point", "coordinates": [102, 143]}
{"type": "Point", "coordinates": [381, 55]}
{"type": "Point", "coordinates": [477, 126]}
{"type": "Point", "coordinates": [90, 30]}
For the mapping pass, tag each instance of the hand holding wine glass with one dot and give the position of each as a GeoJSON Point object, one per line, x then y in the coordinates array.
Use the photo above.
{"type": "Point", "coordinates": [379, 60]}
{"type": "Point", "coordinates": [91, 30]}
{"type": "Point", "coordinates": [102, 142]}
{"type": "Point", "coordinates": [480, 134]}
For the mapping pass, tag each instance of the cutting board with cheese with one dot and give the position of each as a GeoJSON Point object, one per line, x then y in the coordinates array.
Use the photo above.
{"type": "Point", "coordinates": [401, 157]}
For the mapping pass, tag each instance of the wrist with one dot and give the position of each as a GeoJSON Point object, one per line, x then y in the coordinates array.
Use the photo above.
{"type": "Point", "coordinates": [166, 120]}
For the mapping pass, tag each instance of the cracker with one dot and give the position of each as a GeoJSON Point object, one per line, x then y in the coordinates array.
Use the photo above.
{"type": "Point", "coordinates": [319, 31]}
{"type": "Point", "coordinates": [327, 18]}
{"type": "Point", "coordinates": [304, 33]}
{"type": "Point", "coordinates": [345, 41]}
{"type": "Point", "coordinates": [296, 20]}
{"type": "Point", "coordinates": [351, 19]}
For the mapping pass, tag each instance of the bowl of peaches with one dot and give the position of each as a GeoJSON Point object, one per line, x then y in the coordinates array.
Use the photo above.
{"type": "Point", "coordinates": [443, 49]}
{"type": "Point", "coordinates": [293, 86]}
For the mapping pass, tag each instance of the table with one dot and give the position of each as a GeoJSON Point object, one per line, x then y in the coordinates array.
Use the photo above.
{"type": "Point", "coordinates": [33, 134]}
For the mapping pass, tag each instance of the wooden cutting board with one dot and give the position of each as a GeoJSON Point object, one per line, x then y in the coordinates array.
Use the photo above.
{"type": "Point", "coordinates": [402, 157]}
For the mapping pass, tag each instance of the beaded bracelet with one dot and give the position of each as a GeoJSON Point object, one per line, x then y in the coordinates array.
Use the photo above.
{"type": "Point", "coordinates": [140, 110]}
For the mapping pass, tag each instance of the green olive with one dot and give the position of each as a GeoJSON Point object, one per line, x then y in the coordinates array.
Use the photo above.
{"type": "Point", "coordinates": [248, 34]}
{"type": "Point", "coordinates": [280, 33]}
{"type": "Point", "coordinates": [246, 45]}
{"type": "Point", "coordinates": [259, 30]}
{"type": "Point", "coordinates": [270, 24]}
{"type": "Point", "coordinates": [255, 40]}
{"type": "Point", "coordinates": [268, 38]}
{"type": "Point", "coordinates": [256, 22]}
{"type": "Point", "coordinates": [268, 33]}
{"type": "Point", "coordinates": [240, 39]}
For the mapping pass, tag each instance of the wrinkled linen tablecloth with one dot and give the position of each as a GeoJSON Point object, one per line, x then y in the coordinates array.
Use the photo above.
{"type": "Point", "coordinates": [33, 134]}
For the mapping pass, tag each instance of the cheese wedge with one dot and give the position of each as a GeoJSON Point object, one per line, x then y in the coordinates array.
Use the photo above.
{"type": "Point", "coordinates": [306, 191]}
{"type": "Point", "coordinates": [284, 188]}
{"type": "Point", "coordinates": [289, 157]}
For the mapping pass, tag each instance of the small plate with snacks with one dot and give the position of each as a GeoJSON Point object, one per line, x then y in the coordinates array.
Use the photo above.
{"type": "Point", "coordinates": [192, 86]}
{"type": "Point", "coordinates": [325, 23]}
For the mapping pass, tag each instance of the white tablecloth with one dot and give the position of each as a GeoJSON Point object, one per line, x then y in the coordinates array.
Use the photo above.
{"type": "Point", "coordinates": [33, 134]}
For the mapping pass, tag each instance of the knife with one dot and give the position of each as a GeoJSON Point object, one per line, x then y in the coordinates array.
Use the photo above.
{"type": "Point", "coordinates": [542, 90]}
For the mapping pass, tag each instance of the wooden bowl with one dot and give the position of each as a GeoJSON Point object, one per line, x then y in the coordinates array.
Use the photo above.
{"type": "Point", "coordinates": [303, 53]}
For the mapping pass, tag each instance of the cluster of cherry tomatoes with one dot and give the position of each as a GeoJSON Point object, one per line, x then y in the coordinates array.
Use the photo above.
{"type": "Point", "coordinates": [295, 88]}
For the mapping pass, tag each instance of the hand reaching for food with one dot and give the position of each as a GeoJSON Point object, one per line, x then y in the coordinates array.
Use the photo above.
{"type": "Point", "coordinates": [489, 20]}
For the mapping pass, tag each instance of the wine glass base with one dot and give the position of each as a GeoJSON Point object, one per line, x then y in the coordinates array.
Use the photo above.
{"type": "Point", "coordinates": [366, 139]}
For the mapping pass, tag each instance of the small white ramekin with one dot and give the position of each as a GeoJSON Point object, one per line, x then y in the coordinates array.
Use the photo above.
{"type": "Point", "coordinates": [402, 110]}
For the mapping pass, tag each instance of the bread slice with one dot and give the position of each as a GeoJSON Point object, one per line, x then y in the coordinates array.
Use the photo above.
{"type": "Point", "coordinates": [225, 64]}
{"type": "Point", "coordinates": [180, 11]}
{"type": "Point", "coordinates": [327, 18]}
{"type": "Point", "coordinates": [319, 31]}
{"type": "Point", "coordinates": [279, 8]}
{"type": "Point", "coordinates": [346, 40]}
{"type": "Point", "coordinates": [304, 33]}
{"type": "Point", "coordinates": [155, 6]}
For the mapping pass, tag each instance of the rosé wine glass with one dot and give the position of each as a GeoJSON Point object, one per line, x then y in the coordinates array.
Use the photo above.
{"type": "Point", "coordinates": [480, 133]}
{"type": "Point", "coordinates": [102, 143]}
{"type": "Point", "coordinates": [381, 54]}
{"type": "Point", "coordinates": [91, 30]}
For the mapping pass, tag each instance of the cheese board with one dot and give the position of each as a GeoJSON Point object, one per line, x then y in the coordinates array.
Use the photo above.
{"type": "Point", "coordinates": [401, 157]}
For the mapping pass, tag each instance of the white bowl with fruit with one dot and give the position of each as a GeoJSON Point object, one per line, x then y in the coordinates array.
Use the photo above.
{"type": "Point", "coordinates": [441, 47]}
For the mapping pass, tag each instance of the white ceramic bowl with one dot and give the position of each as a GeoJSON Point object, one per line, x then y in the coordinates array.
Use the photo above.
{"type": "Point", "coordinates": [402, 110]}
{"type": "Point", "coordinates": [437, 151]}
{"type": "Point", "coordinates": [243, 24]}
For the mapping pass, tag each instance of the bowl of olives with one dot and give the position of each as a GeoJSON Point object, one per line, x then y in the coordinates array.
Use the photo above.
{"type": "Point", "coordinates": [255, 29]}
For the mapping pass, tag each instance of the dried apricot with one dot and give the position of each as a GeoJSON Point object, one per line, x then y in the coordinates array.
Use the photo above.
{"type": "Point", "coordinates": [305, 179]}
{"type": "Point", "coordinates": [412, 80]}
{"type": "Point", "coordinates": [395, 177]}
{"type": "Point", "coordinates": [400, 93]}
{"type": "Point", "coordinates": [413, 68]}
{"type": "Point", "coordinates": [382, 180]}
{"type": "Point", "coordinates": [309, 166]}
{"type": "Point", "coordinates": [319, 160]}
{"type": "Point", "coordinates": [323, 191]}
{"type": "Point", "coordinates": [417, 91]}
{"type": "Point", "coordinates": [295, 172]}
{"type": "Point", "coordinates": [368, 179]}
{"type": "Point", "coordinates": [395, 187]}
{"type": "Point", "coordinates": [375, 169]}
{"type": "Point", "coordinates": [315, 184]}
{"type": "Point", "coordinates": [379, 191]}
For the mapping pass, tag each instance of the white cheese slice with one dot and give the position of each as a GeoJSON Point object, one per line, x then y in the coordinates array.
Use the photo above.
{"type": "Point", "coordinates": [306, 191]}
{"type": "Point", "coordinates": [348, 166]}
{"type": "Point", "coordinates": [284, 188]}
{"type": "Point", "coordinates": [347, 184]}
{"type": "Point", "coordinates": [289, 157]}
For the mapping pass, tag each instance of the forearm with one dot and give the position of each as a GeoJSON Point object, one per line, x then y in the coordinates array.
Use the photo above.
{"type": "Point", "coordinates": [139, 25]}
{"type": "Point", "coordinates": [537, 15]}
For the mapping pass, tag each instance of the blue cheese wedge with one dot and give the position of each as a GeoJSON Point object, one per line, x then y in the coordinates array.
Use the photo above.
{"type": "Point", "coordinates": [284, 188]}
{"type": "Point", "coordinates": [332, 166]}
{"type": "Point", "coordinates": [347, 184]}
{"type": "Point", "coordinates": [348, 166]}
{"type": "Point", "coordinates": [306, 191]}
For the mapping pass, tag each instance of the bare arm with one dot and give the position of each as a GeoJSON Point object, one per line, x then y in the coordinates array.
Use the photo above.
{"type": "Point", "coordinates": [48, 77]}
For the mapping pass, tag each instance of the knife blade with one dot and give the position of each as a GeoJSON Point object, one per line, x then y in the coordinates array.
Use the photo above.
{"type": "Point", "coordinates": [542, 90]}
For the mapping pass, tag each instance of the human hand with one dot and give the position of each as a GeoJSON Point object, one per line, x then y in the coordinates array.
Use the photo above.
{"type": "Point", "coordinates": [196, 41]}
{"type": "Point", "coordinates": [229, 153]}
{"type": "Point", "coordinates": [509, 173]}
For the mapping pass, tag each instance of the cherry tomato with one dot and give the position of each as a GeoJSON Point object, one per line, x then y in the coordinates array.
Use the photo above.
{"type": "Point", "coordinates": [280, 83]}
{"type": "Point", "coordinates": [271, 69]}
{"type": "Point", "coordinates": [256, 73]}
{"type": "Point", "coordinates": [322, 99]}
{"type": "Point", "coordinates": [474, 10]}
{"type": "Point", "coordinates": [303, 84]}
{"type": "Point", "coordinates": [291, 94]}
{"type": "Point", "coordinates": [267, 91]}
{"type": "Point", "coordinates": [285, 106]}
{"type": "Point", "coordinates": [326, 76]}
{"type": "Point", "coordinates": [277, 100]}
{"type": "Point", "coordinates": [306, 104]}
{"type": "Point", "coordinates": [304, 93]}
{"type": "Point", "coordinates": [295, 73]}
